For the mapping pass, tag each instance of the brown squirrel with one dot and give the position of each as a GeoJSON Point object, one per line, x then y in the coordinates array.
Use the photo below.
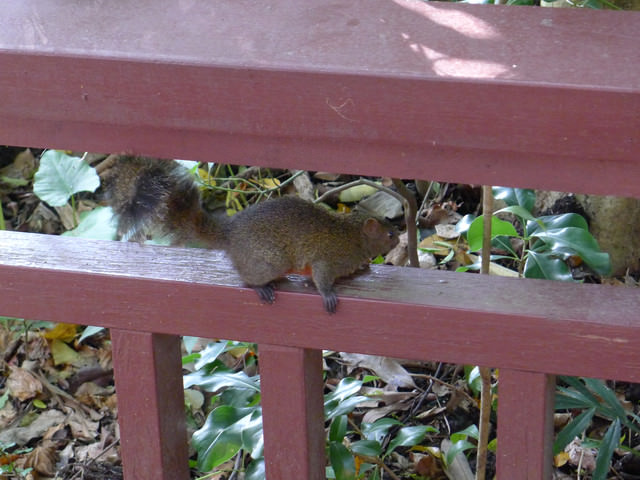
{"type": "Point", "coordinates": [265, 241]}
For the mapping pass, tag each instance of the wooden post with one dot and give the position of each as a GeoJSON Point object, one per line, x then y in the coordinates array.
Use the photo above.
{"type": "Point", "coordinates": [293, 412]}
{"type": "Point", "coordinates": [525, 425]}
{"type": "Point", "coordinates": [148, 375]}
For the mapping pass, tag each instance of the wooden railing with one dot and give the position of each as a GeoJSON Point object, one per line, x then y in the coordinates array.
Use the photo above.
{"type": "Point", "coordinates": [544, 98]}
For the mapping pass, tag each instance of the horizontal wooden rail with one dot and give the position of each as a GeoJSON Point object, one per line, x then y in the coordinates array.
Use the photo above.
{"type": "Point", "coordinates": [465, 93]}
{"type": "Point", "coordinates": [527, 325]}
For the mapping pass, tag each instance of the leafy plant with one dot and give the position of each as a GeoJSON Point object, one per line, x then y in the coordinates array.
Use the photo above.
{"type": "Point", "coordinates": [234, 424]}
{"type": "Point", "coordinates": [61, 176]}
{"type": "Point", "coordinates": [594, 398]}
{"type": "Point", "coordinates": [548, 241]}
{"type": "Point", "coordinates": [366, 455]}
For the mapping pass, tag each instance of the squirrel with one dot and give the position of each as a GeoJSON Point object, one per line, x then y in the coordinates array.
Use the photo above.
{"type": "Point", "coordinates": [265, 241]}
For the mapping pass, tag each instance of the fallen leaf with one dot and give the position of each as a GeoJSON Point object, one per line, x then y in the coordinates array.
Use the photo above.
{"type": "Point", "coordinates": [22, 384]}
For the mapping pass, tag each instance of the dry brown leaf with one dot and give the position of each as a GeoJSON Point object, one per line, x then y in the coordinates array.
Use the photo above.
{"type": "Point", "coordinates": [22, 384]}
{"type": "Point", "coordinates": [37, 428]}
{"type": "Point", "coordinates": [388, 369]}
{"type": "Point", "coordinates": [42, 459]}
{"type": "Point", "coordinates": [82, 428]}
{"type": "Point", "coordinates": [93, 395]}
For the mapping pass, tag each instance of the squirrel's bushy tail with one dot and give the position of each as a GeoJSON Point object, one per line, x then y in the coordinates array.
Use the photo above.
{"type": "Point", "coordinates": [152, 197]}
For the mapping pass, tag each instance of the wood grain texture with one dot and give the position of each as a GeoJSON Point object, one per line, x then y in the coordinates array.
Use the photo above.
{"type": "Point", "coordinates": [153, 435]}
{"type": "Point", "coordinates": [404, 89]}
{"type": "Point", "coordinates": [293, 412]}
{"type": "Point", "coordinates": [525, 427]}
{"type": "Point", "coordinates": [528, 325]}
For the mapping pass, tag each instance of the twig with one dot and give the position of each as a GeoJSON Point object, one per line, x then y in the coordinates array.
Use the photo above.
{"type": "Point", "coordinates": [485, 373]}
{"type": "Point", "coordinates": [411, 216]}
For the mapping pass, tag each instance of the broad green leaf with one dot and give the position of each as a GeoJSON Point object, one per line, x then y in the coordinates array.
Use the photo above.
{"type": "Point", "coordinates": [474, 380]}
{"type": "Point", "coordinates": [344, 466]}
{"type": "Point", "coordinates": [520, 212]}
{"type": "Point", "coordinates": [577, 241]}
{"type": "Point", "coordinates": [347, 387]}
{"type": "Point", "coordinates": [547, 266]}
{"type": "Point", "coordinates": [522, 197]}
{"type": "Point", "coordinates": [96, 224]}
{"type": "Point", "coordinates": [338, 428]}
{"type": "Point", "coordinates": [210, 354]}
{"type": "Point", "coordinates": [369, 448]}
{"type": "Point", "coordinates": [470, 431]}
{"type": "Point", "coordinates": [573, 429]}
{"type": "Point", "coordinates": [61, 176]}
{"type": "Point", "coordinates": [456, 448]}
{"type": "Point", "coordinates": [335, 408]}
{"type": "Point", "coordinates": [378, 429]}
{"type": "Point", "coordinates": [220, 438]}
{"type": "Point", "coordinates": [252, 438]}
{"type": "Point", "coordinates": [498, 227]}
{"type": "Point", "coordinates": [557, 221]}
{"type": "Point", "coordinates": [409, 436]}
{"type": "Point", "coordinates": [341, 400]}
{"type": "Point", "coordinates": [212, 382]}
{"type": "Point", "coordinates": [607, 397]}
{"type": "Point", "coordinates": [605, 452]}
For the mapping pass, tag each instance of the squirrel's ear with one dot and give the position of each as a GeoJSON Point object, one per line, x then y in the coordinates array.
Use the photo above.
{"type": "Point", "coordinates": [371, 227]}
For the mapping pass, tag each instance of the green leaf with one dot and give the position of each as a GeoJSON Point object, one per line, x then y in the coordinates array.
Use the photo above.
{"type": "Point", "coordinates": [369, 448]}
{"type": "Point", "coordinates": [341, 400]}
{"type": "Point", "coordinates": [347, 387]}
{"type": "Point", "coordinates": [333, 409]}
{"type": "Point", "coordinates": [547, 266]}
{"type": "Point", "coordinates": [220, 438]}
{"type": "Point", "coordinates": [456, 448]}
{"type": "Point", "coordinates": [97, 224]}
{"type": "Point", "coordinates": [474, 380]}
{"type": "Point", "coordinates": [210, 353]}
{"type": "Point", "coordinates": [252, 438]}
{"type": "Point", "coordinates": [61, 176]}
{"type": "Point", "coordinates": [577, 241]}
{"type": "Point", "coordinates": [378, 429]}
{"type": "Point", "coordinates": [498, 227]}
{"type": "Point", "coordinates": [605, 452]}
{"type": "Point", "coordinates": [338, 428]}
{"type": "Point", "coordinates": [344, 466]}
{"type": "Point", "coordinates": [573, 429]}
{"type": "Point", "coordinates": [525, 198]}
{"type": "Point", "coordinates": [409, 436]}
{"type": "Point", "coordinates": [557, 221]}
{"type": "Point", "coordinates": [520, 212]}
{"type": "Point", "coordinates": [470, 431]}
{"type": "Point", "coordinates": [212, 382]}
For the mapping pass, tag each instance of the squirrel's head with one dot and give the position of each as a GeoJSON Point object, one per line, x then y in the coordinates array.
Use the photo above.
{"type": "Point", "coordinates": [380, 236]}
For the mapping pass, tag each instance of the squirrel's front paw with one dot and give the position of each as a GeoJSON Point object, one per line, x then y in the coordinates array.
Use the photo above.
{"type": "Point", "coordinates": [266, 293]}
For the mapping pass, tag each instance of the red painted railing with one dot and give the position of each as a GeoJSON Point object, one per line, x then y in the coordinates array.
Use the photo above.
{"type": "Point", "coordinates": [544, 98]}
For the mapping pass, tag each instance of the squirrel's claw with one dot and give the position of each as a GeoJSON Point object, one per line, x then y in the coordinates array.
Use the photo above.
{"type": "Point", "coordinates": [330, 302]}
{"type": "Point", "coordinates": [266, 293]}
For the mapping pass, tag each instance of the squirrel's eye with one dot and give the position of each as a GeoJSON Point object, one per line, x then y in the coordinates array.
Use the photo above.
{"type": "Point", "coordinates": [390, 233]}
